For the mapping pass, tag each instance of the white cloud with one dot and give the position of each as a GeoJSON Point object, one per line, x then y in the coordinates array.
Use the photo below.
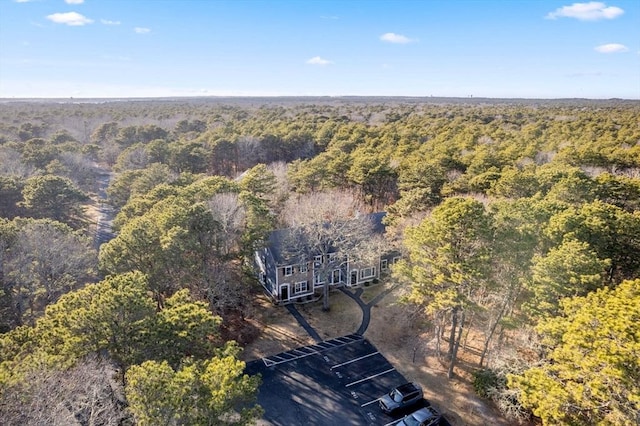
{"type": "Point", "coordinates": [74, 1]}
{"type": "Point", "coordinates": [395, 38]}
{"type": "Point", "coordinates": [142, 30]}
{"type": "Point", "coordinates": [73, 19]}
{"type": "Point", "coordinates": [592, 11]}
{"type": "Point", "coordinates": [22, 1]}
{"type": "Point", "coordinates": [317, 60]}
{"type": "Point", "coordinates": [611, 48]}
{"type": "Point", "coordinates": [108, 22]}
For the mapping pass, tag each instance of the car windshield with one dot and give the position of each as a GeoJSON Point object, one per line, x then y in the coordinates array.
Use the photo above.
{"type": "Point", "coordinates": [410, 421]}
{"type": "Point", "coordinates": [396, 396]}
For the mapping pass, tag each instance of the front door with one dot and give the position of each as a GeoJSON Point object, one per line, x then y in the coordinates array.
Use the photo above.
{"type": "Point", "coordinates": [354, 277]}
{"type": "Point", "coordinates": [284, 293]}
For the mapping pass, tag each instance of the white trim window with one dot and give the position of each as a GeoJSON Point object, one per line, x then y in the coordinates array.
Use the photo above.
{"type": "Point", "coordinates": [288, 271]}
{"type": "Point", "coordinates": [332, 257]}
{"type": "Point", "coordinates": [317, 281]}
{"type": "Point", "coordinates": [336, 276]}
{"type": "Point", "coordinates": [317, 260]}
{"type": "Point", "coordinates": [384, 264]}
{"type": "Point", "coordinates": [303, 268]}
{"type": "Point", "coordinates": [301, 287]}
{"type": "Point", "coordinates": [367, 272]}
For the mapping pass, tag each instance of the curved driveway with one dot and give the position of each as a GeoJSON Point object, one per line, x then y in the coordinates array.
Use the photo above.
{"type": "Point", "coordinates": [353, 294]}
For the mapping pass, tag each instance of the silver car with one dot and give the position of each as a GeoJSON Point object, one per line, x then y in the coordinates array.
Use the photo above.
{"type": "Point", "coordinates": [401, 397]}
{"type": "Point", "coordinates": [427, 416]}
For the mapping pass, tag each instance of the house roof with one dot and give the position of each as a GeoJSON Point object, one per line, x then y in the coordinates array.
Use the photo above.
{"type": "Point", "coordinates": [376, 220]}
{"type": "Point", "coordinates": [278, 239]}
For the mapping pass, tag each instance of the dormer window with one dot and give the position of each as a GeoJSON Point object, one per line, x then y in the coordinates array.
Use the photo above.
{"type": "Point", "coordinates": [288, 271]}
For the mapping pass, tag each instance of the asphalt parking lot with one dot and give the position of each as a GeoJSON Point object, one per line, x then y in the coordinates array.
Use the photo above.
{"type": "Point", "coordinates": [334, 382]}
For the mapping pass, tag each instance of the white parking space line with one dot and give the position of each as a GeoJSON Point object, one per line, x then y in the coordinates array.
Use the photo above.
{"type": "Point", "coordinates": [354, 360]}
{"type": "Point", "coordinates": [305, 351]}
{"type": "Point", "coordinates": [395, 422]}
{"type": "Point", "coordinates": [370, 377]}
{"type": "Point", "coordinates": [370, 402]}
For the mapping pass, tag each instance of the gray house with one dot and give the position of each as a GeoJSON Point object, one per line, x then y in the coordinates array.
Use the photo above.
{"type": "Point", "coordinates": [294, 277]}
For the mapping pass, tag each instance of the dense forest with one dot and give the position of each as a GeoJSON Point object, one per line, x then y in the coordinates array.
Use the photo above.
{"type": "Point", "coordinates": [519, 220]}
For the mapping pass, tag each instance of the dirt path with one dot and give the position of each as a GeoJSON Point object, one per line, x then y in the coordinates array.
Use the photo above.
{"type": "Point", "coordinates": [100, 213]}
{"type": "Point", "coordinates": [105, 212]}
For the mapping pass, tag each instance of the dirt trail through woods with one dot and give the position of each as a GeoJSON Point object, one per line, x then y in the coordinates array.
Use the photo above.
{"type": "Point", "coordinates": [99, 212]}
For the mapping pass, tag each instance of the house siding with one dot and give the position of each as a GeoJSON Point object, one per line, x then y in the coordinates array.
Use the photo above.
{"type": "Point", "coordinates": [289, 282]}
{"type": "Point", "coordinates": [281, 285]}
{"type": "Point", "coordinates": [275, 286]}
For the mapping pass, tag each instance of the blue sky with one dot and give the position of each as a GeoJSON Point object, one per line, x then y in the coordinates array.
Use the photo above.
{"type": "Point", "coordinates": [460, 48]}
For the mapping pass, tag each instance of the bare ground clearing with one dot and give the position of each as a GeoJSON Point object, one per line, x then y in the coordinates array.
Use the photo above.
{"type": "Point", "coordinates": [410, 350]}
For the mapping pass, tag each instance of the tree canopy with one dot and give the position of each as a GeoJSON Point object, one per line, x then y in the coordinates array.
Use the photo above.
{"type": "Point", "coordinates": [506, 209]}
{"type": "Point", "coordinates": [118, 318]}
{"type": "Point", "coordinates": [591, 371]}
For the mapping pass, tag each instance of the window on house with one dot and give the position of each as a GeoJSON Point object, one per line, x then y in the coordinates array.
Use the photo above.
{"type": "Point", "coordinates": [288, 270]}
{"type": "Point", "coordinates": [384, 264]}
{"type": "Point", "coordinates": [367, 272]}
{"type": "Point", "coordinates": [332, 257]}
{"type": "Point", "coordinates": [304, 268]}
{"type": "Point", "coordinates": [301, 287]}
{"type": "Point", "coordinates": [317, 280]}
{"type": "Point", "coordinates": [395, 259]}
{"type": "Point", "coordinates": [336, 276]}
{"type": "Point", "coordinates": [317, 260]}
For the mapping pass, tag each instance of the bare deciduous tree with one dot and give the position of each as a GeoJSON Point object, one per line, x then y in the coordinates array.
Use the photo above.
{"type": "Point", "coordinates": [86, 394]}
{"type": "Point", "coordinates": [133, 158]}
{"type": "Point", "coordinates": [46, 261]}
{"type": "Point", "coordinates": [80, 169]}
{"type": "Point", "coordinates": [230, 216]}
{"type": "Point", "coordinates": [249, 152]}
{"type": "Point", "coordinates": [11, 163]}
{"type": "Point", "coordinates": [223, 277]}
{"type": "Point", "coordinates": [331, 228]}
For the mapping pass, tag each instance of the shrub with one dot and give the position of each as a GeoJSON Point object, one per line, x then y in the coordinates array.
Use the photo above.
{"type": "Point", "coordinates": [492, 384]}
{"type": "Point", "coordinates": [484, 380]}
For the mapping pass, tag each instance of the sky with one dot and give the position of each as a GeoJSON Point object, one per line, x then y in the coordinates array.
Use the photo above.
{"type": "Point", "coordinates": [451, 48]}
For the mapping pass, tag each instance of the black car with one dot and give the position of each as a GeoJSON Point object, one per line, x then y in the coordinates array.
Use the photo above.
{"type": "Point", "coordinates": [401, 397]}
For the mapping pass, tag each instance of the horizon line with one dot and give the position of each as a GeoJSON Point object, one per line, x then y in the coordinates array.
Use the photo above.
{"type": "Point", "coordinates": [469, 97]}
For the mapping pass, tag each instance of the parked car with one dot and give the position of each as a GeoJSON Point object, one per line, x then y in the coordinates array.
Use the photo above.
{"type": "Point", "coordinates": [427, 416]}
{"type": "Point", "coordinates": [401, 397]}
